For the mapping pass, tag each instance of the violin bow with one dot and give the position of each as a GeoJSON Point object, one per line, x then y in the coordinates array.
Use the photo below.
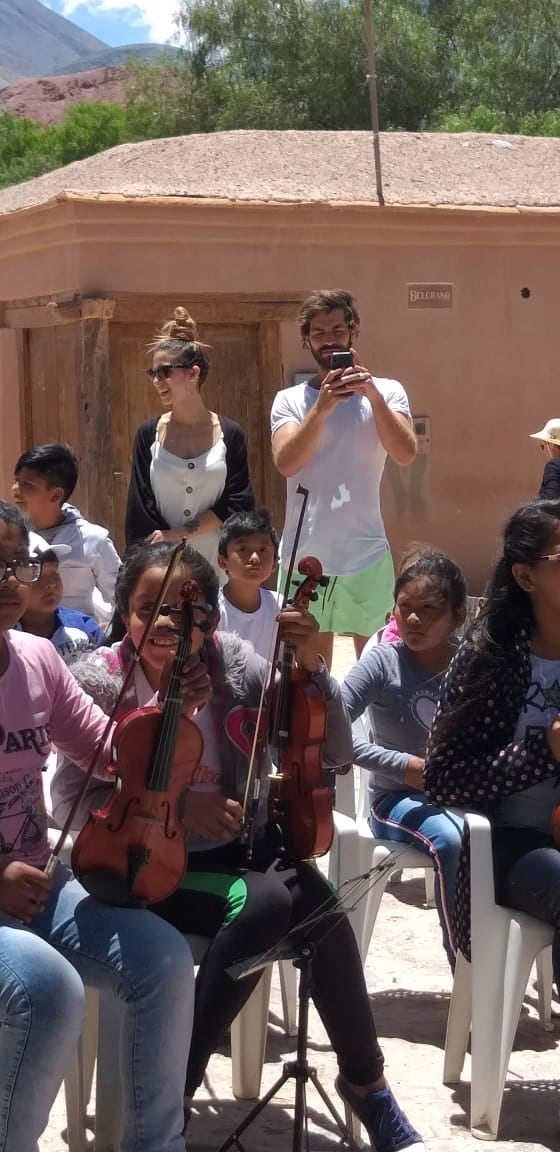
{"type": "Point", "coordinates": [169, 574]}
{"type": "Point", "coordinates": [260, 738]}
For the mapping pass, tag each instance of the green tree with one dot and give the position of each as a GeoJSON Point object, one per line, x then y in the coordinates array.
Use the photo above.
{"type": "Point", "coordinates": [22, 149]}
{"type": "Point", "coordinates": [88, 128]}
{"type": "Point", "coordinates": [502, 54]}
{"type": "Point", "coordinates": [291, 64]}
{"type": "Point", "coordinates": [28, 149]}
{"type": "Point", "coordinates": [479, 119]}
{"type": "Point", "coordinates": [156, 97]}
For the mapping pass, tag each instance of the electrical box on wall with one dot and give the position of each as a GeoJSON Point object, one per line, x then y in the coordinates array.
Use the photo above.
{"type": "Point", "coordinates": [422, 428]}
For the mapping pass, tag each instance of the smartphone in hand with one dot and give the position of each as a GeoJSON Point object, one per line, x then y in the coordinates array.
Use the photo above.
{"type": "Point", "coordinates": [339, 362]}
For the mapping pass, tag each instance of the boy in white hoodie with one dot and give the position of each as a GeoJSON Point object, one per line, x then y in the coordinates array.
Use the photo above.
{"type": "Point", "coordinates": [44, 479]}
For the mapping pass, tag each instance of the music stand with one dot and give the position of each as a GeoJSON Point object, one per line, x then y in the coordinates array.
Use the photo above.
{"type": "Point", "coordinates": [301, 952]}
{"type": "Point", "coordinates": [299, 1069]}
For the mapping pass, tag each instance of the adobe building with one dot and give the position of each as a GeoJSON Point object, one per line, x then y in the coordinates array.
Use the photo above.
{"type": "Point", "coordinates": [456, 276]}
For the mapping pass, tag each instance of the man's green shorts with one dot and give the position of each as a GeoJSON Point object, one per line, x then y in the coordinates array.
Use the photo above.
{"type": "Point", "coordinates": [356, 604]}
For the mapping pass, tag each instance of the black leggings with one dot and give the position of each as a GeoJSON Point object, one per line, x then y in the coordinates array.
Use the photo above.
{"type": "Point", "coordinates": [249, 911]}
{"type": "Point", "coordinates": [527, 876]}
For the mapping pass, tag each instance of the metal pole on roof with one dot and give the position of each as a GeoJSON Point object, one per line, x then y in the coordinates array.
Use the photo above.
{"type": "Point", "coordinates": [374, 103]}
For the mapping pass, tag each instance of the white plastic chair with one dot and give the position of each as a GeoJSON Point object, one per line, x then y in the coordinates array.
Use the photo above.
{"type": "Point", "coordinates": [488, 993]}
{"type": "Point", "coordinates": [99, 1042]}
{"type": "Point", "coordinates": [355, 855]}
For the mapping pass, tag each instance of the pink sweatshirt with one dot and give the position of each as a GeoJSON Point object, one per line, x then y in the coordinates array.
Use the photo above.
{"type": "Point", "coordinates": [390, 632]}
{"type": "Point", "coordinates": [39, 701]}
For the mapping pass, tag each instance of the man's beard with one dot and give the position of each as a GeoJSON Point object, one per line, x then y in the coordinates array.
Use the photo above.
{"type": "Point", "coordinates": [323, 358]}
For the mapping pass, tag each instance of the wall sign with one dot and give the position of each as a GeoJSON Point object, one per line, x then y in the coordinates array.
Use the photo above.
{"type": "Point", "coordinates": [429, 295]}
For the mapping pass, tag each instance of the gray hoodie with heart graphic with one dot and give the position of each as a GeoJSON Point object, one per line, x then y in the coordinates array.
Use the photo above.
{"type": "Point", "coordinates": [399, 699]}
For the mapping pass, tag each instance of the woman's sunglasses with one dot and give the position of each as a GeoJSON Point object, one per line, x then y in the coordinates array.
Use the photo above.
{"type": "Point", "coordinates": [25, 571]}
{"type": "Point", "coordinates": [164, 371]}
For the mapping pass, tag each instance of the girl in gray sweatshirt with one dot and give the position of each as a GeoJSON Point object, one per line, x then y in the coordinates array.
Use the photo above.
{"type": "Point", "coordinates": [397, 685]}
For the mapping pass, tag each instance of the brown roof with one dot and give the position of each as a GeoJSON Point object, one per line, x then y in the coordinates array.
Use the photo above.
{"type": "Point", "coordinates": [418, 169]}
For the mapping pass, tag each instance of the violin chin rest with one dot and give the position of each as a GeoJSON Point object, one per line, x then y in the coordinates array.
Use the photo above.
{"type": "Point", "coordinates": [109, 887]}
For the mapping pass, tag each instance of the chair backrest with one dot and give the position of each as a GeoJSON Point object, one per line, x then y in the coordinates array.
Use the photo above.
{"type": "Point", "coordinates": [474, 604]}
{"type": "Point", "coordinates": [345, 795]}
{"type": "Point", "coordinates": [373, 640]}
{"type": "Point", "coordinates": [360, 730]}
{"type": "Point", "coordinates": [483, 896]}
{"type": "Point", "coordinates": [364, 800]}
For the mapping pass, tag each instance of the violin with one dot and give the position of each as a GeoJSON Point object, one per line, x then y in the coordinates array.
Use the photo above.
{"type": "Point", "coordinates": [299, 798]}
{"type": "Point", "coordinates": [133, 851]}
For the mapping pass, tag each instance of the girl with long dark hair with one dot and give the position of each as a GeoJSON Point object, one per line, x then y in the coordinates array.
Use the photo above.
{"type": "Point", "coordinates": [495, 742]}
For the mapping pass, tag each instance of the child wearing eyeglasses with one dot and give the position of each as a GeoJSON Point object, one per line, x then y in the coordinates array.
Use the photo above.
{"type": "Point", "coordinates": [68, 630]}
{"type": "Point", "coordinates": [44, 480]}
{"type": "Point", "coordinates": [189, 468]}
{"type": "Point", "coordinates": [53, 935]}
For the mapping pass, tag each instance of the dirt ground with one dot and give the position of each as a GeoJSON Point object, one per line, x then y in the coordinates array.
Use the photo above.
{"type": "Point", "coordinates": [409, 985]}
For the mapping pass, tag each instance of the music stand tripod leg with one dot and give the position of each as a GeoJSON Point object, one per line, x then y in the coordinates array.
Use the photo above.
{"type": "Point", "coordinates": [233, 1140]}
{"type": "Point", "coordinates": [298, 1070]}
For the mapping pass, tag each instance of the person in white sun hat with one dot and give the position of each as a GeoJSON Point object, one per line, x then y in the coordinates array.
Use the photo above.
{"type": "Point", "coordinates": [549, 437]}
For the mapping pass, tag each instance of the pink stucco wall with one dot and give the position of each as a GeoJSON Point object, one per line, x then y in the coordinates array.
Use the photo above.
{"type": "Point", "coordinates": [485, 372]}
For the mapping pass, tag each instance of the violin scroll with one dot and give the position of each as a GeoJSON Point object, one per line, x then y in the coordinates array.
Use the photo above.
{"type": "Point", "coordinates": [187, 603]}
{"type": "Point", "coordinates": [310, 568]}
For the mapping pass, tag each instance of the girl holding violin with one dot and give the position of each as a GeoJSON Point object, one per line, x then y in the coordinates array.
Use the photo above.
{"type": "Point", "coordinates": [249, 907]}
{"type": "Point", "coordinates": [52, 936]}
{"type": "Point", "coordinates": [495, 741]}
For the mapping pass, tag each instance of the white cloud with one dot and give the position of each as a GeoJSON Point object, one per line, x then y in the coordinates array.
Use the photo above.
{"type": "Point", "coordinates": [156, 15]}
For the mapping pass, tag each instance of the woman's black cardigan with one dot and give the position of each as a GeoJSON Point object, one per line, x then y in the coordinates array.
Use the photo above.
{"type": "Point", "coordinates": [142, 515]}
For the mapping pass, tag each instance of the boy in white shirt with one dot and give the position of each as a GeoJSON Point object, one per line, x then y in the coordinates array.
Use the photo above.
{"type": "Point", "coordinates": [248, 552]}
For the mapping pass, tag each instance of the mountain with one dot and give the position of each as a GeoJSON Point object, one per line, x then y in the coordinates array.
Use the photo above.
{"type": "Point", "coordinates": [49, 98]}
{"type": "Point", "coordinates": [35, 41]}
{"type": "Point", "coordinates": [112, 57]}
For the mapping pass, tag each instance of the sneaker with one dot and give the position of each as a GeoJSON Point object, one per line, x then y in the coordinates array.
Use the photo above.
{"type": "Point", "coordinates": [387, 1127]}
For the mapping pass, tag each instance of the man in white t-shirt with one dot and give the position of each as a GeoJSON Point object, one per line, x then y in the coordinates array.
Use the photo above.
{"type": "Point", "coordinates": [332, 435]}
{"type": "Point", "coordinates": [248, 552]}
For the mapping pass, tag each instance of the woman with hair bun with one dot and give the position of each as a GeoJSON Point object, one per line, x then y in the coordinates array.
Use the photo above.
{"type": "Point", "coordinates": [189, 467]}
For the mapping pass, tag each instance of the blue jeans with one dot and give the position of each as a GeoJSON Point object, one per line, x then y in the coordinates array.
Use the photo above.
{"type": "Point", "coordinates": [409, 818]}
{"type": "Point", "coordinates": [133, 955]}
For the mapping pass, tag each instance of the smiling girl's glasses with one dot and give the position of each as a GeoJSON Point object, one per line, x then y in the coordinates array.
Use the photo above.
{"type": "Point", "coordinates": [164, 371]}
{"type": "Point", "coordinates": [552, 556]}
{"type": "Point", "coordinates": [25, 571]}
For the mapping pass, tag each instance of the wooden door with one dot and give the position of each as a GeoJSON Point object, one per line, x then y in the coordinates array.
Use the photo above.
{"type": "Point", "coordinates": [65, 400]}
{"type": "Point", "coordinates": [240, 385]}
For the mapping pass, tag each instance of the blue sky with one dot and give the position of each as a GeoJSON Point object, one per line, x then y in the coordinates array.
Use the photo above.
{"type": "Point", "coordinates": [120, 21]}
